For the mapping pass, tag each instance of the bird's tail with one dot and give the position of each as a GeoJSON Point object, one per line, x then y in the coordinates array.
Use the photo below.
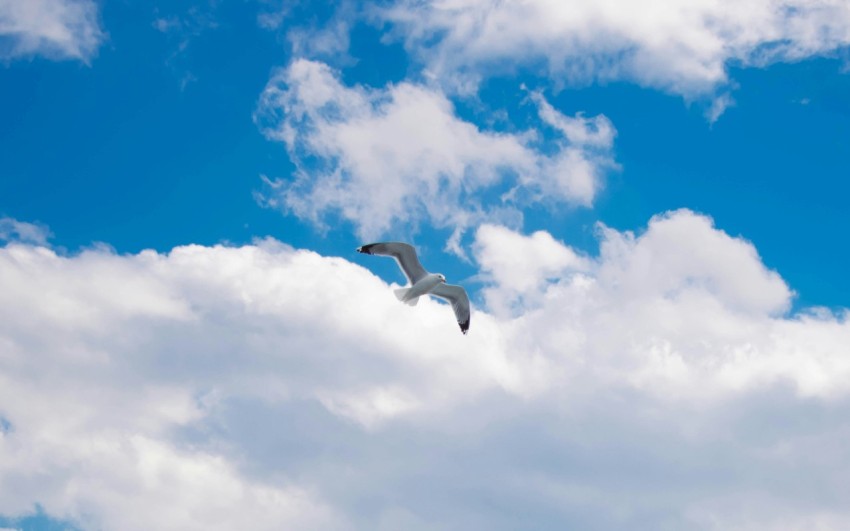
{"type": "Point", "coordinates": [401, 294]}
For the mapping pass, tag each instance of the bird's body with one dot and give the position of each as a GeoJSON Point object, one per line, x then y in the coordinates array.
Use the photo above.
{"type": "Point", "coordinates": [422, 282]}
{"type": "Point", "coordinates": [423, 287]}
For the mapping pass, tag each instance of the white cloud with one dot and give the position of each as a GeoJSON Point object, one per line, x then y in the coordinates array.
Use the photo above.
{"type": "Point", "coordinates": [400, 155]}
{"type": "Point", "coordinates": [14, 230]}
{"type": "Point", "coordinates": [57, 29]}
{"type": "Point", "coordinates": [313, 29]}
{"type": "Point", "coordinates": [519, 266]}
{"type": "Point", "coordinates": [689, 310]}
{"type": "Point", "coordinates": [658, 385]}
{"type": "Point", "coordinates": [104, 358]}
{"type": "Point", "coordinates": [680, 252]}
{"type": "Point", "coordinates": [682, 46]}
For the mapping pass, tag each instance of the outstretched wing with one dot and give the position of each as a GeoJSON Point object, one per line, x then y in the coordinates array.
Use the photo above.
{"type": "Point", "coordinates": [403, 253]}
{"type": "Point", "coordinates": [456, 295]}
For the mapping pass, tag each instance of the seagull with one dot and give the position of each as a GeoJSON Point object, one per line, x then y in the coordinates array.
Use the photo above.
{"type": "Point", "coordinates": [421, 281]}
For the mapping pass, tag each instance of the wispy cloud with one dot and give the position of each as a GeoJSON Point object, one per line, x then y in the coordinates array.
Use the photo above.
{"type": "Point", "coordinates": [401, 155]}
{"type": "Point", "coordinates": [182, 29]}
{"type": "Point", "coordinates": [14, 230]}
{"type": "Point", "coordinates": [660, 383]}
{"type": "Point", "coordinates": [56, 29]}
{"type": "Point", "coordinates": [313, 29]}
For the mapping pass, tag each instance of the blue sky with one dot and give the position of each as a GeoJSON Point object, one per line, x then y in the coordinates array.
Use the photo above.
{"type": "Point", "coordinates": [661, 165]}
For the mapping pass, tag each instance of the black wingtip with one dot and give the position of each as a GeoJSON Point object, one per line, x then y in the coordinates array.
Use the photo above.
{"type": "Point", "coordinates": [366, 249]}
{"type": "Point", "coordinates": [464, 326]}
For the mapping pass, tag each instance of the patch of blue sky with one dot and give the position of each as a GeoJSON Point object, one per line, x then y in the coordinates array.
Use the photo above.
{"type": "Point", "coordinates": [771, 169]}
{"type": "Point", "coordinates": [376, 61]}
{"type": "Point", "coordinates": [37, 521]}
{"type": "Point", "coordinates": [119, 153]}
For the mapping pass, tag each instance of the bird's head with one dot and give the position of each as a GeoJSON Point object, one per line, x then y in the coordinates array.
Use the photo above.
{"type": "Point", "coordinates": [441, 277]}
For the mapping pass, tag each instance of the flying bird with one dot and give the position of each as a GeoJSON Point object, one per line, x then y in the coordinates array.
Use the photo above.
{"type": "Point", "coordinates": [421, 281]}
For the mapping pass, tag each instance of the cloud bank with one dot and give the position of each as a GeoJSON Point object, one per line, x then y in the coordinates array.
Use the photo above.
{"type": "Point", "coordinates": [56, 29]}
{"type": "Point", "coordinates": [401, 155]}
{"type": "Point", "coordinates": [658, 385]}
{"type": "Point", "coordinates": [682, 46]}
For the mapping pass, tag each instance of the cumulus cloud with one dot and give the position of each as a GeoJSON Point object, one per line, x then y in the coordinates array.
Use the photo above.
{"type": "Point", "coordinates": [56, 29]}
{"type": "Point", "coordinates": [660, 384]}
{"type": "Point", "coordinates": [106, 358]}
{"type": "Point", "coordinates": [519, 267]}
{"type": "Point", "coordinates": [690, 309]}
{"type": "Point", "coordinates": [681, 46]}
{"type": "Point", "coordinates": [400, 155]}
